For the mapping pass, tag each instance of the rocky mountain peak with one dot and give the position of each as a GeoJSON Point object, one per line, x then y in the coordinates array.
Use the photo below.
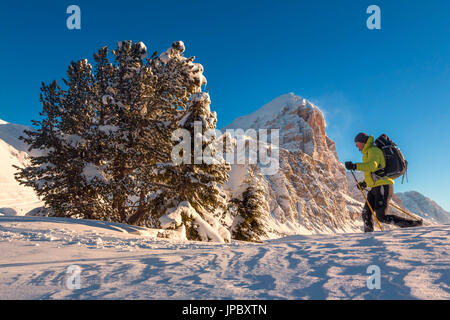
{"type": "Point", "coordinates": [302, 128]}
{"type": "Point", "coordinates": [308, 194]}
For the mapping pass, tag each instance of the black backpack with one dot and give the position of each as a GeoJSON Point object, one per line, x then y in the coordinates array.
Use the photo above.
{"type": "Point", "coordinates": [396, 165]}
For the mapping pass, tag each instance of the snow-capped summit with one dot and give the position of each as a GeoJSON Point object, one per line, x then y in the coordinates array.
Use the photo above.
{"type": "Point", "coordinates": [423, 206]}
{"type": "Point", "coordinates": [301, 127]}
{"type": "Point", "coordinates": [266, 113]}
{"type": "Point", "coordinates": [295, 117]}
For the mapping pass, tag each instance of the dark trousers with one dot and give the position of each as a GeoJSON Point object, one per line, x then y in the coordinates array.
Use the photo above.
{"type": "Point", "coordinates": [379, 198]}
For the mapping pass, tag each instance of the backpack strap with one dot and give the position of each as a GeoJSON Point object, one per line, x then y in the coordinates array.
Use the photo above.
{"type": "Point", "coordinates": [406, 173]}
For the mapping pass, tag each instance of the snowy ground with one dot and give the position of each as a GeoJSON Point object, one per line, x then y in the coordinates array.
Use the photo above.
{"type": "Point", "coordinates": [123, 262]}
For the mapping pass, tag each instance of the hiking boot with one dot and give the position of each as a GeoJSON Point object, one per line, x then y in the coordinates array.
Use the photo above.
{"type": "Point", "coordinates": [368, 228]}
{"type": "Point", "coordinates": [410, 223]}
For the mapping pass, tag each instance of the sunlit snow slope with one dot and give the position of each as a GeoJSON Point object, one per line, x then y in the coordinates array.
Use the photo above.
{"type": "Point", "coordinates": [14, 198]}
{"type": "Point", "coordinates": [122, 262]}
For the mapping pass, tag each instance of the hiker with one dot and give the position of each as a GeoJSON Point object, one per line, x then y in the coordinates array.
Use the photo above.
{"type": "Point", "coordinates": [382, 187]}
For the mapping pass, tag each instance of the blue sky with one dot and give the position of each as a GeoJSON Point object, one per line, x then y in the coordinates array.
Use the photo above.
{"type": "Point", "coordinates": [395, 80]}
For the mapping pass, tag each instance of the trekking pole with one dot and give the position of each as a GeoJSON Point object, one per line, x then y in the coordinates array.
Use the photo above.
{"type": "Point", "coordinates": [407, 213]}
{"type": "Point", "coordinates": [367, 201]}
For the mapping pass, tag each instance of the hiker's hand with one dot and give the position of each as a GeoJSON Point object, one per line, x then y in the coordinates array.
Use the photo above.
{"type": "Point", "coordinates": [350, 165]}
{"type": "Point", "coordinates": [362, 184]}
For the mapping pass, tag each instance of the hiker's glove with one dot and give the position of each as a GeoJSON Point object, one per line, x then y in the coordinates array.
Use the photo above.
{"type": "Point", "coordinates": [350, 165]}
{"type": "Point", "coordinates": [362, 184]}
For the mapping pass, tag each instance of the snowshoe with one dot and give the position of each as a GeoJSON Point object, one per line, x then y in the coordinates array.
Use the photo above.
{"type": "Point", "coordinates": [368, 228]}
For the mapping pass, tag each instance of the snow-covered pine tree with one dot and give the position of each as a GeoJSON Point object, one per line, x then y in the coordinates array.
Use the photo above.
{"type": "Point", "coordinates": [141, 102]}
{"type": "Point", "coordinates": [108, 142]}
{"type": "Point", "coordinates": [124, 95]}
{"type": "Point", "coordinates": [248, 225]}
{"type": "Point", "coordinates": [57, 175]}
{"type": "Point", "coordinates": [203, 177]}
{"type": "Point", "coordinates": [175, 79]}
{"type": "Point", "coordinates": [197, 184]}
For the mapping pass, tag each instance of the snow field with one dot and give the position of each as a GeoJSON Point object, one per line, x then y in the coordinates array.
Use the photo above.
{"type": "Point", "coordinates": [123, 262]}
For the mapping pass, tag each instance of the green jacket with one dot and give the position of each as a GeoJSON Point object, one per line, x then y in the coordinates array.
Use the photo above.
{"type": "Point", "coordinates": [372, 160]}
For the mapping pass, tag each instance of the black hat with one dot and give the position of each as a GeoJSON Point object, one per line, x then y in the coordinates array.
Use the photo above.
{"type": "Point", "coordinates": [361, 137]}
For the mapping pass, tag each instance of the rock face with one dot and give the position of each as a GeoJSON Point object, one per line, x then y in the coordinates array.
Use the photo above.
{"type": "Point", "coordinates": [308, 194]}
{"type": "Point", "coordinates": [419, 204]}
